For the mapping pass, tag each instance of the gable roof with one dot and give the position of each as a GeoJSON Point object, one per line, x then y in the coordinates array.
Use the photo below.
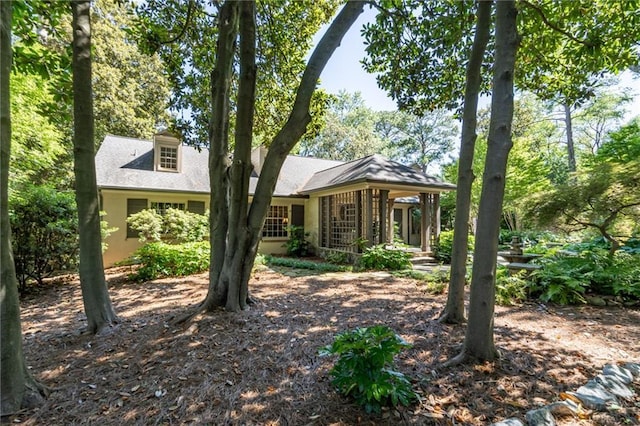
{"type": "Point", "coordinates": [374, 168]}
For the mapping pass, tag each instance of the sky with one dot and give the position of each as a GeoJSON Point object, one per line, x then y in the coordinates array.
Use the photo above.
{"type": "Point", "coordinates": [345, 72]}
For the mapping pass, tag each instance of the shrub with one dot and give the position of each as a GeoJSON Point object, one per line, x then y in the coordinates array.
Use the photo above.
{"type": "Point", "coordinates": [510, 288]}
{"type": "Point", "coordinates": [566, 279]}
{"type": "Point", "coordinates": [44, 227]}
{"type": "Point", "coordinates": [171, 260]}
{"type": "Point", "coordinates": [176, 226]}
{"type": "Point", "coordinates": [297, 244]}
{"type": "Point", "coordinates": [148, 223]}
{"type": "Point", "coordinates": [364, 367]}
{"type": "Point", "coordinates": [444, 247]}
{"type": "Point", "coordinates": [180, 226]}
{"type": "Point", "coordinates": [337, 257]}
{"type": "Point", "coordinates": [306, 264]}
{"type": "Point", "coordinates": [379, 257]}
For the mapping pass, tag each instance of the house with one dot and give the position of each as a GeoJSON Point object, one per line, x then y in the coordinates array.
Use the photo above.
{"type": "Point", "coordinates": [342, 205]}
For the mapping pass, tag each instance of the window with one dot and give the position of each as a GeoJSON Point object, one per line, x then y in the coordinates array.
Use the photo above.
{"type": "Point", "coordinates": [134, 205]}
{"type": "Point", "coordinates": [195, 207]}
{"type": "Point", "coordinates": [168, 158]}
{"type": "Point", "coordinates": [276, 222]}
{"type": "Point", "coordinates": [161, 208]}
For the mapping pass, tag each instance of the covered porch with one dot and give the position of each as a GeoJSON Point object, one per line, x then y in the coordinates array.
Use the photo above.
{"type": "Point", "coordinates": [353, 220]}
{"type": "Point", "coordinates": [359, 204]}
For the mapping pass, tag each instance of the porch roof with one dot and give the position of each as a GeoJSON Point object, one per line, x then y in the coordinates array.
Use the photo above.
{"type": "Point", "coordinates": [374, 169]}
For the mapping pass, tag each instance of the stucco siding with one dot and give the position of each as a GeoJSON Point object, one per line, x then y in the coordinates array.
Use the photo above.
{"type": "Point", "coordinates": [114, 204]}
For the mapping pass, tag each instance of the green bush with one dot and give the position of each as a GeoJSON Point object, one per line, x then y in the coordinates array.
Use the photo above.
{"type": "Point", "coordinates": [444, 247]}
{"type": "Point", "coordinates": [159, 260]}
{"type": "Point", "coordinates": [176, 226]}
{"type": "Point", "coordinates": [364, 367]}
{"type": "Point", "coordinates": [306, 264]}
{"type": "Point", "coordinates": [510, 288]}
{"type": "Point", "coordinates": [44, 228]}
{"type": "Point", "coordinates": [566, 279]}
{"type": "Point", "coordinates": [297, 244]}
{"type": "Point", "coordinates": [180, 226]}
{"type": "Point", "coordinates": [379, 257]}
{"type": "Point", "coordinates": [337, 257]}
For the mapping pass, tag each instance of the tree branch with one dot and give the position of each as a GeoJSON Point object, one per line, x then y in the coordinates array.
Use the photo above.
{"type": "Point", "coordinates": [187, 22]}
{"type": "Point", "coordinates": [554, 26]}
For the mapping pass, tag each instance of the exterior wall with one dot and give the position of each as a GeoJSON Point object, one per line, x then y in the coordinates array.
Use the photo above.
{"type": "Point", "coordinates": [270, 245]}
{"type": "Point", "coordinates": [114, 204]}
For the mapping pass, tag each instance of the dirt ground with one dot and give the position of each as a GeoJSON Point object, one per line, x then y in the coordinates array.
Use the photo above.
{"type": "Point", "coordinates": [261, 367]}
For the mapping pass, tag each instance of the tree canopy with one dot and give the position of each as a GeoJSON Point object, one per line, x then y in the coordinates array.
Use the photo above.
{"type": "Point", "coordinates": [182, 33]}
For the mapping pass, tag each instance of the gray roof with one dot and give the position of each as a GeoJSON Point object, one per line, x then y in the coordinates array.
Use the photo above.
{"type": "Point", "coordinates": [374, 168]}
{"type": "Point", "coordinates": [295, 173]}
{"type": "Point", "coordinates": [127, 163]}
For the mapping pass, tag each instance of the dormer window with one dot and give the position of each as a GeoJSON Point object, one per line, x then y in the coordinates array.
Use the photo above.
{"type": "Point", "coordinates": [168, 158]}
{"type": "Point", "coordinates": [167, 152]}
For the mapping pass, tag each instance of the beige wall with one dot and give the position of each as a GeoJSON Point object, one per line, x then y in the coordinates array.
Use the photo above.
{"type": "Point", "coordinates": [114, 204]}
{"type": "Point", "coordinates": [277, 245]}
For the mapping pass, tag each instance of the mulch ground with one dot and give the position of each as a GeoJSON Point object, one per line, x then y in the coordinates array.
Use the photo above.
{"type": "Point", "coordinates": [261, 366]}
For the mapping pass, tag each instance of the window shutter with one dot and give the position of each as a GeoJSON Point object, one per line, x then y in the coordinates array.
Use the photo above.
{"type": "Point", "coordinates": [134, 205]}
{"type": "Point", "coordinates": [195, 206]}
{"type": "Point", "coordinates": [297, 215]}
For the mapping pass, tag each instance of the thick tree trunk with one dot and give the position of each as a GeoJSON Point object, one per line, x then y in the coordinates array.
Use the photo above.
{"type": "Point", "coordinates": [571, 152]}
{"type": "Point", "coordinates": [97, 304]}
{"type": "Point", "coordinates": [219, 165]}
{"type": "Point", "coordinates": [454, 310]}
{"type": "Point", "coordinates": [17, 388]}
{"type": "Point", "coordinates": [236, 227]}
{"type": "Point", "coordinates": [479, 343]}
{"type": "Point", "coordinates": [237, 244]}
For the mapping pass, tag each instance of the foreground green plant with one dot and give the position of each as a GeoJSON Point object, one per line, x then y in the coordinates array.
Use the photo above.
{"type": "Point", "coordinates": [171, 260]}
{"type": "Point", "coordinates": [363, 370]}
{"type": "Point", "coordinates": [379, 257]}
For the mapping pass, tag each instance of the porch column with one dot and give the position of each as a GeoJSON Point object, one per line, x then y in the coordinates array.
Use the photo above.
{"type": "Point", "coordinates": [382, 215]}
{"type": "Point", "coordinates": [369, 218]}
{"type": "Point", "coordinates": [436, 212]}
{"type": "Point", "coordinates": [425, 222]}
{"type": "Point", "coordinates": [391, 228]}
{"type": "Point", "coordinates": [360, 222]}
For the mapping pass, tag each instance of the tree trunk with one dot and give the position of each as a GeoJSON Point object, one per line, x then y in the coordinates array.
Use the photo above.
{"type": "Point", "coordinates": [97, 304]}
{"type": "Point", "coordinates": [571, 153]}
{"type": "Point", "coordinates": [479, 343]}
{"type": "Point", "coordinates": [236, 227]}
{"type": "Point", "coordinates": [17, 388]}
{"type": "Point", "coordinates": [454, 310]}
